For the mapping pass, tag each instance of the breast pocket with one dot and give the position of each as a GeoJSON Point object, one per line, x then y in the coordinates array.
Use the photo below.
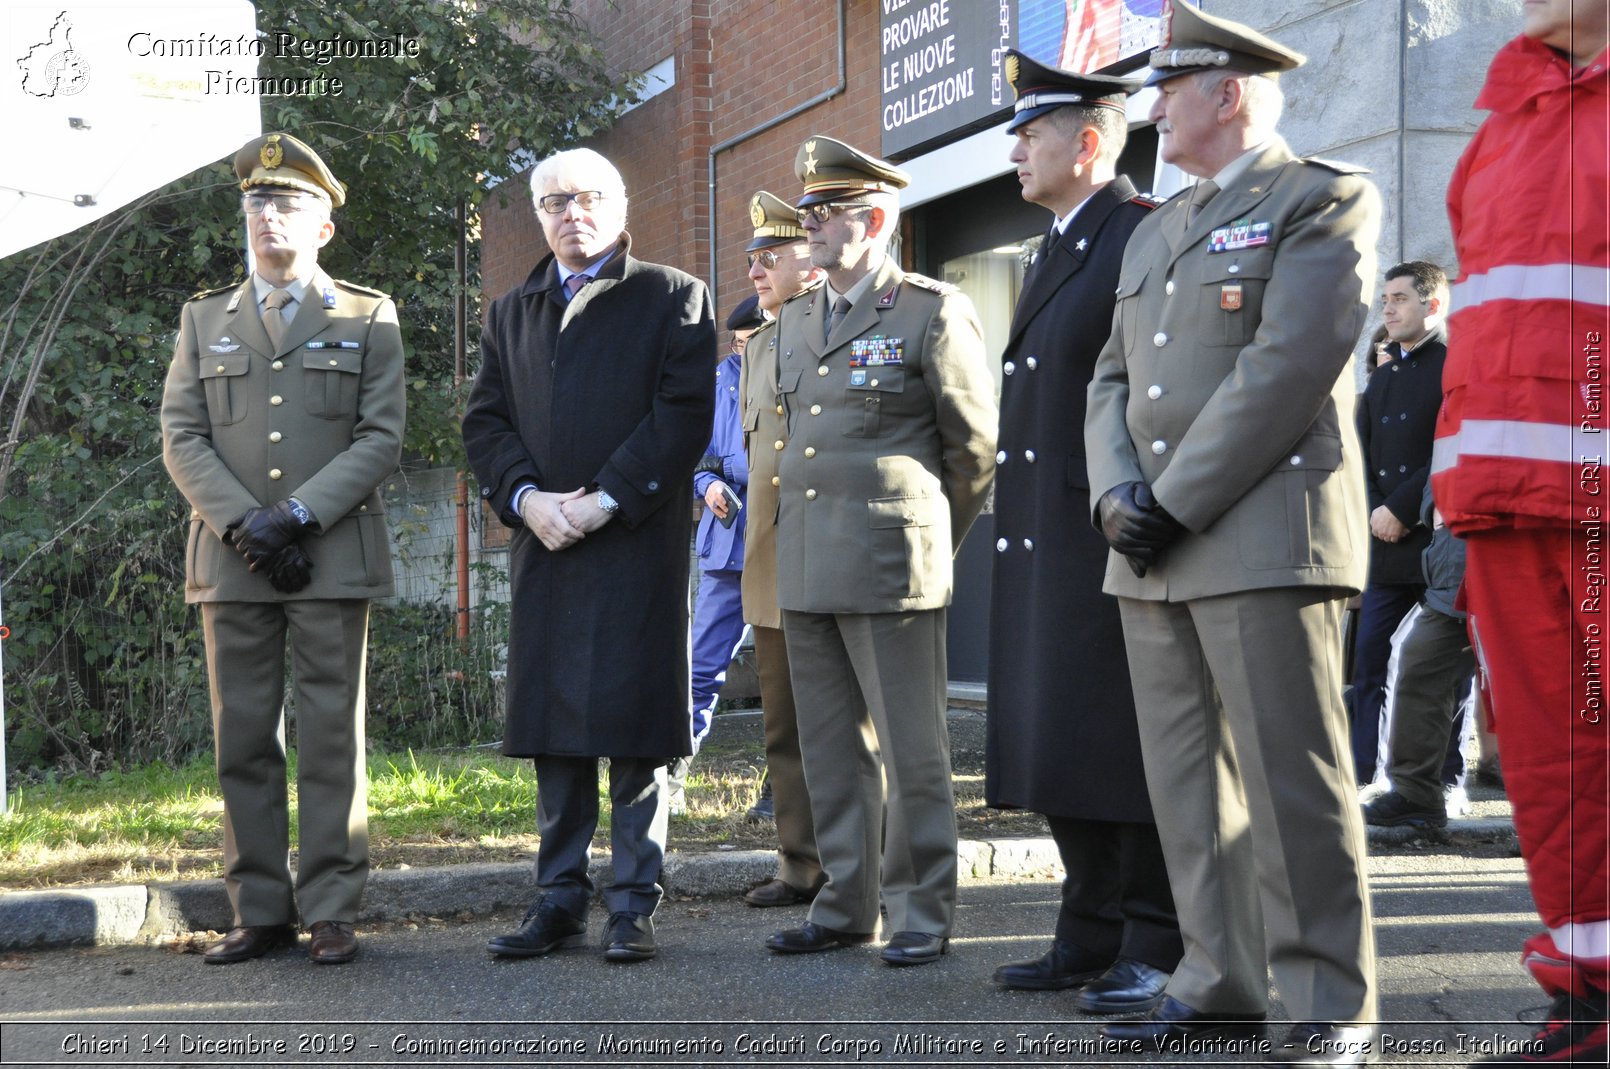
{"type": "Point", "coordinates": [221, 377]}
{"type": "Point", "coordinates": [330, 382]}
{"type": "Point", "coordinates": [870, 392]}
{"type": "Point", "coordinates": [1128, 299]}
{"type": "Point", "coordinates": [1231, 304]}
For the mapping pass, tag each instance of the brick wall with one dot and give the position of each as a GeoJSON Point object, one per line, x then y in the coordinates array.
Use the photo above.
{"type": "Point", "coordinates": [739, 64]}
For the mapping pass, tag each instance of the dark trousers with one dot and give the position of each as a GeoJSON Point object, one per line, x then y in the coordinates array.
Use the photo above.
{"type": "Point", "coordinates": [567, 816]}
{"type": "Point", "coordinates": [1116, 901]}
{"type": "Point", "coordinates": [1434, 666]}
{"type": "Point", "coordinates": [1383, 608]}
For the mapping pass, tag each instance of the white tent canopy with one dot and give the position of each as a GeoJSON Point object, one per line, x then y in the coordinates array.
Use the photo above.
{"type": "Point", "coordinates": [102, 101]}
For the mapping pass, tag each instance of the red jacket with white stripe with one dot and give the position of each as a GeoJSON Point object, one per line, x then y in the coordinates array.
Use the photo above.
{"type": "Point", "coordinates": [1524, 407]}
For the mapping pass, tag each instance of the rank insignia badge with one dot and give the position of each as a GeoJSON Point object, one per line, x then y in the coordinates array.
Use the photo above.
{"type": "Point", "coordinates": [877, 351]}
{"type": "Point", "coordinates": [1241, 234]}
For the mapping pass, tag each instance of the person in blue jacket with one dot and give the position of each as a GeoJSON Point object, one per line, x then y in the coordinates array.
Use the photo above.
{"type": "Point", "coordinates": [718, 621]}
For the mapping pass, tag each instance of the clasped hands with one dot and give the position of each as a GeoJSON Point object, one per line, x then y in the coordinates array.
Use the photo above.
{"type": "Point", "coordinates": [561, 520]}
{"type": "Point", "coordinates": [268, 537]}
{"type": "Point", "coordinates": [1135, 525]}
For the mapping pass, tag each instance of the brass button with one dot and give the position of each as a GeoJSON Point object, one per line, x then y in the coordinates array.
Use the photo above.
{"type": "Point", "coordinates": [810, 495]}
{"type": "Point", "coordinates": [274, 436]}
{"type": "Point", "coordinates": [1154, 392]}
{"type": "Point", "coordinates": [276, 400]}
{"type": "Point", "coordinates": [810, 451]}
{"type": "Point", "coordinates": [776, 481]}
{"type": "Point", "coordinates": [1235, 269]}
{"type": "Point", "coordinates": [874, 382]}
{"type": "Point", "coordinates": [220, 369]}
{"type": "Point", "coordinates": [822, 370]}
{"type": "Point", "coordinates": [363, 508]}
{"type": "Point", "coordinates": [275, 473]}
{"type": "Point", "coordinates": [816, 410]}
{"type": "Point", "coordinates": [1159, 339]}
{"type": "Point", "coordinates": [779, 410]}
{"type": "Point", "coordinates": [778, 445]}
{"type": "Point", "coordinates": [278, 365]}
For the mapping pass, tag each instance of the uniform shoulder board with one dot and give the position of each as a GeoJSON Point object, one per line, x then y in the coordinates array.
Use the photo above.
{"type": "Point", "coordinates": [811, 288]}
{"type": "Point", "coordinates": [930, 283]}
{"type": "Point", "coordinates": [213, 292]}
{"type": "Point", "coordinates": [355, 288]}
{"type": "Point", "coordinates": [1147, 200]}
{"type": "Point", "coordinates": [1336, 165]}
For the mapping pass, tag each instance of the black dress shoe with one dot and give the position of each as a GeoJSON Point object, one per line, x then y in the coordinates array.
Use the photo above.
{"type": "Point", "coordinates": [1325, 1044]}
{"type": "Point", "coordinates": [1065, 965]}
{"type": "Point", "coordinates": [249, 941]}
{"type": "Point", "coordinates": [1128, 987]}
{"type": "Point", "coordinates": [629, 937]}
{"type": "Point", "coordinates": [546, 926]}
{"type": "Point", "coordinates": [1172, 1020]}
{"type": "Point", "coordinates": [914, 948]}
{"type": "Point", "coordinates": [810, 938]}
{"type": "Point", "coordinates": [332, 943]}
{"type": "Point", "coordinates": [776, 893]}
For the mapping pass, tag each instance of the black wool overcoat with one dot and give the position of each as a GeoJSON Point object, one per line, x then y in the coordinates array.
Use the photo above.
{"type": "Point", "coordinates": [1397, 424]}
{"type": "Point", "coordinates": [610, 390]}
{"type": "Point", "coordinates": [1062, 734]}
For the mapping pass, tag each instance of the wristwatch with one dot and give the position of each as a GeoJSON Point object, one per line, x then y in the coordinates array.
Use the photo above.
{"type": "Point", "coordinates": [607, 503]}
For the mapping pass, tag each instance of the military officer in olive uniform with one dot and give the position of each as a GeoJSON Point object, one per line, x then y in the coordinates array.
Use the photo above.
{"type": "Point", "coordinates": [1225, 473]}
{"type": "Point", "coordinates": [888, 454]}
{"type": "Point", "coordinates": [282, 414]}
{"type": "Point", "coordinates": [779, 267]}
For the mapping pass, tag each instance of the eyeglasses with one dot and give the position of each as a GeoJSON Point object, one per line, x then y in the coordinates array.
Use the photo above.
{"type": "Point", "coordinates": [766, 257]}
{"type": "Point", "coordinates": [737, 342]}
{"type": "Point", "coordinates": [284, 203]}
{"type": "Point", "coordinates": [820, 212]}
{"type": "Point", "coordinates": [555, 203]}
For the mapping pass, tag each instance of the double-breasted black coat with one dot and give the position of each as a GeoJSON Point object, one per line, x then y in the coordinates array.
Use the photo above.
{"type": "Point", "coordinates": [610, 390]}
{"type": "Point", "coordinates": [1397, 422]}
{"type": "Point", "coordinates": [1062, 735]}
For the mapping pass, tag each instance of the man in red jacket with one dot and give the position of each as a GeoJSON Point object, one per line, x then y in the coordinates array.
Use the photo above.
{"type": "Point", "coordinates": [1518, 472]}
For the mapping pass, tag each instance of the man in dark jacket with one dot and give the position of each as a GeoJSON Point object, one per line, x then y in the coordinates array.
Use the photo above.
{"type": "Point", "coordinates": [1397, 418]}
{"type": "Point", "coordinates": [1062, 734]}
{"type": "Point", "coordinates": [591, 408]}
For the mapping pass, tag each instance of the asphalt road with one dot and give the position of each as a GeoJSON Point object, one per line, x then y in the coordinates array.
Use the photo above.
{"type": "Point", "coordinates": [1449, 927]}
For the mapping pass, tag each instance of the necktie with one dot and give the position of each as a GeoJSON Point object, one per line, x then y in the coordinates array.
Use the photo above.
{"type": "Point", "coordinates": [1200, 195]}
{"type": "Point", "coordinates": [1053, 238]}
{"type": "Point", "coordinates": [573, 285]}
{"type": "Point", "coordinates": [274, 318]}
{"type": "Point", "coordinates": [841, 308]}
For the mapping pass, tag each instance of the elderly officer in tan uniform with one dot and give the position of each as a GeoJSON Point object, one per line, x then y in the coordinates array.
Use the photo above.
{"type": "Point", "coordinates": [1226, 476]}
{"type": "Point", "coordinates": [779, 266]}
{"type": "Point", "coordinates": [889, 451]}
{"type": "Point", "coordinates": [282, 414]}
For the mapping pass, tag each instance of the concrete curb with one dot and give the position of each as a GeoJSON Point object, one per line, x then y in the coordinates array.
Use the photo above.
{"type": "Point", "coordinates": [155, 913]}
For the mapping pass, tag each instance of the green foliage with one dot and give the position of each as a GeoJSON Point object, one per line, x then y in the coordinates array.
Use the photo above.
{"type": "Point", "coordinates": [104, 663]}
{"type": "Point", "coordinates": [426, 688]}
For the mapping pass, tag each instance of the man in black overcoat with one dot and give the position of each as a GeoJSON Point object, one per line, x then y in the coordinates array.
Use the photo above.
{"type": "Point", "coordinates": [1397, 420]}
{"type": "Point", "coordinates": [1062, 734]}
{"type": "Point", "coordinates": [590, 410]}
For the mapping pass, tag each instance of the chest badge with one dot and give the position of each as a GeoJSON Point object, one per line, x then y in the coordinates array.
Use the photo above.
{"type": "Point", "coordinates": [329, 297]}
{"type": "Point", "coordinates": [224, 345]}
{"type": "Point", "coordinates": [858, 377]}
{"type": "Point", "coordinates": [1230, 297]}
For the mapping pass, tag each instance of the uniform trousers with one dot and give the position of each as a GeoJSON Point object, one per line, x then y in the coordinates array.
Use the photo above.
{"type": "Point", "coordinates": [245, 642]}
{"type": "Point", "coordinates": [1115, 897]}
{"type": "Point", "coordinates": [870, 690]}
{"type": "Point", "coordinates": [1244, 740]}
{"type": "Point", "coordinates": [1542, 651]}
{"type": "Point", "coordinates": [567, 817]}
{"type": "Point", "coordinates": [798, 864]}
{"type": "Point", "coordinates": [1433, 662]}
{"type": "Point", "coordinates": [718, 627]}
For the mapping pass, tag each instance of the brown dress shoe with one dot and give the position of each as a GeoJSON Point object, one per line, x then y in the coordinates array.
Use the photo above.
{"type": "Point", "coordinates": [775, 892]}
{"type": "Point", "coordinates": [332, 944]}
{"type": "Point", "coordinates": [248, 941]}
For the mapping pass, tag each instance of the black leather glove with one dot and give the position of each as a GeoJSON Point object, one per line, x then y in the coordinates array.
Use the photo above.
{"type": "Point", "coordinates": [1135, 525]}
{"type": "Point", "coordinates": [290, 570]}
{"type": "Point", "coordinates": [264, 531]}
{"type": "Point", "coordinates": [712, 463]}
